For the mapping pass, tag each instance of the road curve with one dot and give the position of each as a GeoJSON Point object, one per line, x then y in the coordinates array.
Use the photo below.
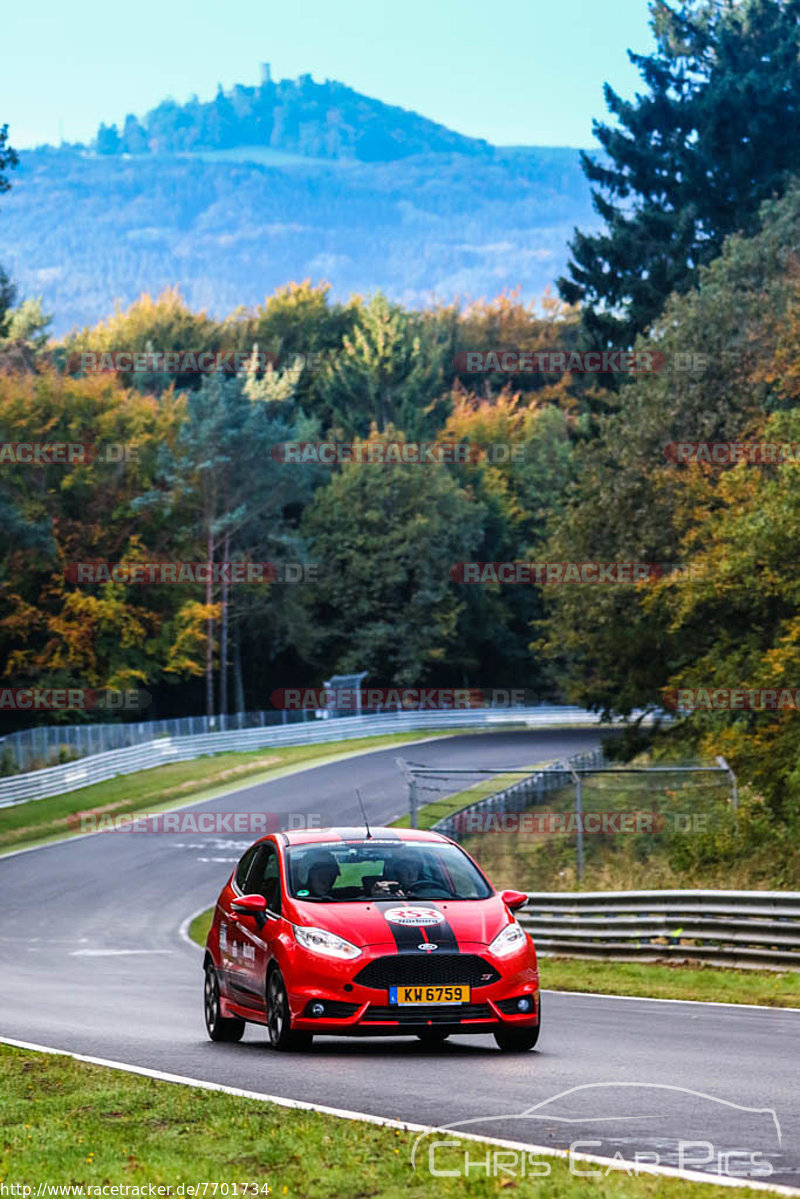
{"type": "Point", "coordinates": [91, 961]}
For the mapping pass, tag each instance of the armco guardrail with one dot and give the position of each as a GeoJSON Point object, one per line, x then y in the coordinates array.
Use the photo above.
{"type": "Point", "coordinates": [56, 780]}
{"type": "Point", "coordinates": [520, 796]}
{"type": "Point", "coordinates": [43, 744]}
{"type": "Point", "coordinates": [731, 928]}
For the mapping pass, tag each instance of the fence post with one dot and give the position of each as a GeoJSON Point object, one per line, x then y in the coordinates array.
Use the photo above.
{"type": "Point", "coordinates": [576, 778]}
{"type": "Point", "coordinates": [734, 787]}
{"type": "Point", "coordinates": [413, 798]}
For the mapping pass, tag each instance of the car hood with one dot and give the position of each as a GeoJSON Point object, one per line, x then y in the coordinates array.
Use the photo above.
{"type": "Point", "coordinates": [401, 924]}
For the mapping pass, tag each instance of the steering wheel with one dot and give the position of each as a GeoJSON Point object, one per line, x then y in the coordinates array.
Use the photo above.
{"type": "Point", "coordinates": [425, 884]}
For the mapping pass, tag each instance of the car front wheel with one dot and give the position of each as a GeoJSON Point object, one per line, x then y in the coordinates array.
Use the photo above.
{"type": "Point", "coordinates": [279, 1020]}
{"type": "Point", "coordinates": [220, 1028]}
{"type": "Point", "coordinates": [519, 1040]}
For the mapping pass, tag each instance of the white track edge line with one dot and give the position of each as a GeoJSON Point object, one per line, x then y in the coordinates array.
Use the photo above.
{"type": "Point", "coordinates": [757, 1007]}
{"type": "Point", "coordinates": [183, 931]}
{"type": "Point", "coordinates": [387, 1122]}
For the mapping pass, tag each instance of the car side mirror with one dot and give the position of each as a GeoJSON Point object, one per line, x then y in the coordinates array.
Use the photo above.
{"type": "Point", "coordinates": [250, 905]}
{"type": "Point", "coordinates": [514, 899]}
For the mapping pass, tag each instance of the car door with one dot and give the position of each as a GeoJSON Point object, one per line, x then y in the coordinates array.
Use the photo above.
{"type": "Point", "coordinates": [234, 943]}
{"type": "Point", "coordinates": [258, 933]}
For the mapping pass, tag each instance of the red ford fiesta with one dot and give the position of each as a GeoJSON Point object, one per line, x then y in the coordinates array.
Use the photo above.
{"type": "Point", "coordinates": [337, 932]}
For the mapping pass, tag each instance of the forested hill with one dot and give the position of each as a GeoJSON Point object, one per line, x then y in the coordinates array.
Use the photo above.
{"type": "Point", "coordinates": [299, 116]}
{"type": "Point", "coordinates": [232, 198]}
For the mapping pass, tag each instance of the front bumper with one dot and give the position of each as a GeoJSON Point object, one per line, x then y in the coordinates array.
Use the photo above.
{"type": "Point", "coordinates": [351, 1008]}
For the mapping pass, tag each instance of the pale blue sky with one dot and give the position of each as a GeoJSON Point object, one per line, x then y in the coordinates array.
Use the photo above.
{"type": "Point", "coordinates": [515, 71]}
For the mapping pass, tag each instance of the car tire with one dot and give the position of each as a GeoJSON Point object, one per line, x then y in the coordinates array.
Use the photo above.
{"type": "Point", "coordinates": [519, 1040]}
{"type": "Point", "coordinates": [279, 1019]}
{"type": "Point", "coordinates": [432, 1036]}
{"type": "Point", "coordinates": [219, 1027]}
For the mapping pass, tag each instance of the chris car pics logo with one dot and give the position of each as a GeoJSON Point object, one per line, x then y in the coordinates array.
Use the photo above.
{"type": "Point", "coordinates": [415, 916]}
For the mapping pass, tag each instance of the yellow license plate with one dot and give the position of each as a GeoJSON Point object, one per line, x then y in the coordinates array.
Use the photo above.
{"type": "Point", "coordinates": [410, 995]}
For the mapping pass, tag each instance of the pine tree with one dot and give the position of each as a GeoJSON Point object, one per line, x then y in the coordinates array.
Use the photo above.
{"type": "Point", "coordinates": [690, 160]}
{"type": "Point", "coordinates": [388, 371]}
{"type": "Point", "coordinates": [8, 159]}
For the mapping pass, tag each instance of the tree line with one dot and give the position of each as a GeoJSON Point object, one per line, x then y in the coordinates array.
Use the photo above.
{"type": "Point", "coordinates": [698, 262]}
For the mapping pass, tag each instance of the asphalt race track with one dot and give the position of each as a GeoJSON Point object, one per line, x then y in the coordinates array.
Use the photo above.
{"type": "Point", "coordinates": [92, 961]}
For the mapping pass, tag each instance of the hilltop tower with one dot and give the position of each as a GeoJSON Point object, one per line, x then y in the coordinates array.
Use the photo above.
{"type": "Point", "coordinates": [266, 74]}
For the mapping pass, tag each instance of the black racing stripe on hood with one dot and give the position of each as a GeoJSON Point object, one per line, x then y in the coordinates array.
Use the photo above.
{"type": "Point", "coordinates": [443, 935]}
{"type": "Point", "coordinates": [409, 937]}
{"type": "Point", "coordinates": [406, 937]}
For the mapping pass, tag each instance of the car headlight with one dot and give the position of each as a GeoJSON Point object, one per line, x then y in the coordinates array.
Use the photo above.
{"type": "Point", "coordinates": [508, 940]}
{"type": "Point", "coordinates": [319, 940]}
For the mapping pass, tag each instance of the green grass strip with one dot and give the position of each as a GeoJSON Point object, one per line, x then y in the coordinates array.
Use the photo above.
{"type": "Point", "coordinates": [69, 1123]}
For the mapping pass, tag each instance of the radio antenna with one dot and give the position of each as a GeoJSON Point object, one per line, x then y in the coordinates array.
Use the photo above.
{"type": "Point", "coordinates": [364, 814]}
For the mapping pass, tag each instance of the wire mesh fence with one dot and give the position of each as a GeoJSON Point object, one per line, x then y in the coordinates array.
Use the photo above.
{"type": "Point", "coordinates": [623, 825]}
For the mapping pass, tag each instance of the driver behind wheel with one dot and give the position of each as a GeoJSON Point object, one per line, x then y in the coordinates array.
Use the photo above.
{"type": "Point", "coordinates": [400, 873]}
{"type": "Point", "coordinates": [407, 872]}
{"type": "Point", "coordinates": [322, 874]}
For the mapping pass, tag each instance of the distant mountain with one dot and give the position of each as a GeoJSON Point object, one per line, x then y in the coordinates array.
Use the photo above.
{"type": "Point", "coordinates": [332, 185]}
{"type": "Point", "coordinates": [298, 116]}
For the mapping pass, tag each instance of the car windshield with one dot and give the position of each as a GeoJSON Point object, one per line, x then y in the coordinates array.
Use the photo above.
{"type": "Point", "coordinates": [347, 871]}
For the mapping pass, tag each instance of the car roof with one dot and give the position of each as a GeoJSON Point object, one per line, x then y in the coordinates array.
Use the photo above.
{"type": "Point", "coordinates": [318, 836]}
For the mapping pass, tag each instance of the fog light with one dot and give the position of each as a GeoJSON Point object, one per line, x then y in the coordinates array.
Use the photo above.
{"type": "Point", "coordinates": [524, 1005]}
{"type": "Point", "coordinates": [318, 1009]}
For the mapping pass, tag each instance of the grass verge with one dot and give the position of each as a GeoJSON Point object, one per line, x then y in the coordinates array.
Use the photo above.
{"type": "Point", "coordinates": [198, 929]}
{"type": "Point", "coordinates": [710, 984]}
{"type": "Point", "coordinates": [173, 784]}
{"type": "Point", "coordinates": [67, 1122]}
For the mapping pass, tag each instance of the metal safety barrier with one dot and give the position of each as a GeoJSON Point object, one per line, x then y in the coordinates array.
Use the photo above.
{"type": "Point", "coordinates": [45, 745]}
{"type": "Point", "coordinates": [731, 928]}
{"type": "Point", "coordinates": [57, 780]}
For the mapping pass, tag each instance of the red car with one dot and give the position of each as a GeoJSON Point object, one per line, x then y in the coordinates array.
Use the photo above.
{"type": "Point", "coordinates": [396, 932]}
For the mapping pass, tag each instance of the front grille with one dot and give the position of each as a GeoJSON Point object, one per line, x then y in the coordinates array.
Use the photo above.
{"type": "Point", "coordinates": [436, 1015]}
{"type": "Point", "coordinates": [419, 970]}
{"type": "Point", "coordinates": [335, 1009]}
